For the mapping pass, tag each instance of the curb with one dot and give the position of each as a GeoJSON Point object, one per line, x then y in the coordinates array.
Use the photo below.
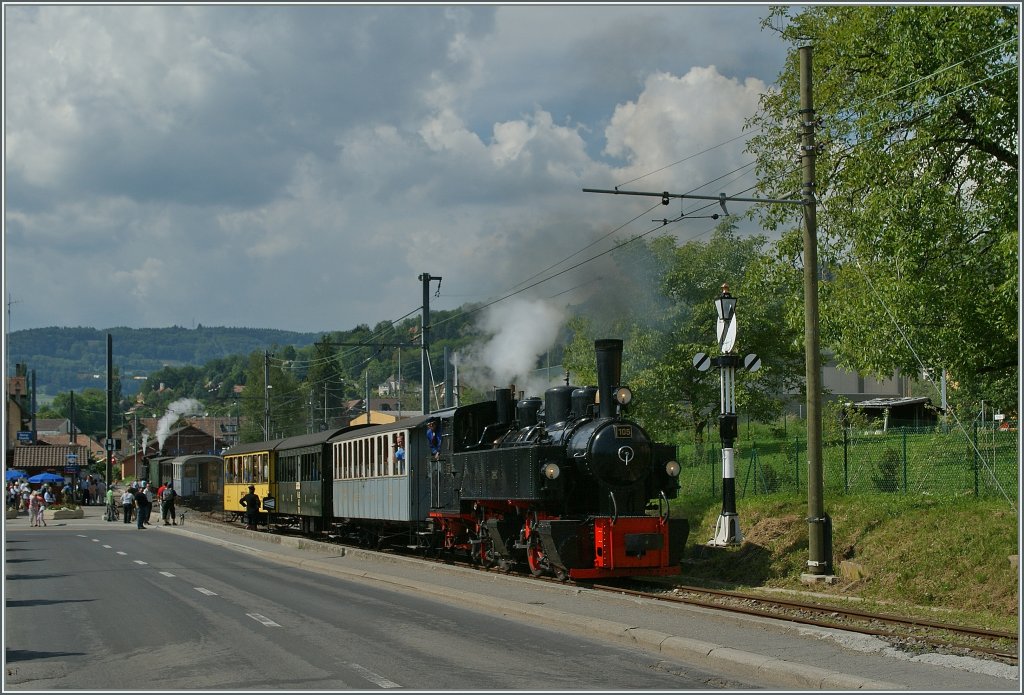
{"type": "Point", "coordinates": [734, 662]}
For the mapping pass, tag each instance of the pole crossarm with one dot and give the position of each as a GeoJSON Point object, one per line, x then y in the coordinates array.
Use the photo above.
{"type": "Point", "coordinates": [665, 196]}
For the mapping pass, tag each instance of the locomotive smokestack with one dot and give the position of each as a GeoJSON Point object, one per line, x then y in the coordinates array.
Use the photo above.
{"type": "Point", "coordinates": [609, 373]}
{"type": "Point", "coordinates": [503, 397]}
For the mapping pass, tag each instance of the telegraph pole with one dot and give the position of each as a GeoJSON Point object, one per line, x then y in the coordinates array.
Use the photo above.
{"type": "Point", "coordinates": [425, 278]}
{"type": "Point", "coordinates": [266, 393]}
{"type": "Point", "coordinates": [819, 524]}
{"type": "Point", "coordinates": [109, 446]}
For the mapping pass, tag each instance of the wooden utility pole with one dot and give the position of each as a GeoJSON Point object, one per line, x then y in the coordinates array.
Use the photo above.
{"type": "Point", "coordinates": [425, 278]}
{"type": "Point", "coordinates": [819, 525]}
{"type": "Point", "coordinates": [108, 444]}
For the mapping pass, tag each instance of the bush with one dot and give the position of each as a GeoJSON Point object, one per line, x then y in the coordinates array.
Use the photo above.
{"type": "Point", "coordinates": [887, 473]}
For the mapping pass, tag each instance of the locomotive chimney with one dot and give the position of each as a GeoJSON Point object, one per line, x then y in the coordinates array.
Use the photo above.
{"type": "Point", "coordinates": [609, 372]}
{"type": "Point", "coordinates": [503, 398]}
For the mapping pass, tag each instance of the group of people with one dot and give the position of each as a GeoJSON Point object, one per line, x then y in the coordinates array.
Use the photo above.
{"type": "Point", "coordinates": [93, 490]}
{"type": "Point", "coordinates": [137, 502]}
{"type": "Point", "coordinates": [22, 497]}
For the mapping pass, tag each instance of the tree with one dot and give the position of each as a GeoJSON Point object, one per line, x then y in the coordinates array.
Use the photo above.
{"type": "Point", "coordinates": [679, 320]}
{"type": "Point", "coordinates": [917, 180]}
{"type": "Point", "coordinates": [283, 393]}
{"type": "Point", "coordinates": [90, 416]}
{"type": "Point", "coordinates": [326, 385]}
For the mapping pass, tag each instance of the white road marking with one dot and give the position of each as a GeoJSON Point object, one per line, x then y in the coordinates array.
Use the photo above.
{"type": "Point", "coordinates": [373, 677]}
{"type": "Point", "coordinates": [202, 590]}
{"type": "Point", "coordinates": [81, 535]}
{"type": "Point", "coordinates": [167, 574]}
{"type": "Point", "coordinates": [263, 619]}
{"type": "Point", "coordinates": [106, 546]}
{"type": "Point", "coordinates": [121, 552]}
{"type": "Point", "coordinates": [140, 562]}
{"type": "Point", "coordinates": [95, 540]}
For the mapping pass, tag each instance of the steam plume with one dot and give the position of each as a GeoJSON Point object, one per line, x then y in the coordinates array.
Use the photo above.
{"type": "Point", "coordinates": [175, 410]}
{"type": "Point", "coordinates": [521, 331]}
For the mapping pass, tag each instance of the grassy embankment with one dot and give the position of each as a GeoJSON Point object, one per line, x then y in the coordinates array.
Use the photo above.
{"type": "Point", "coordinates": [953, 560]}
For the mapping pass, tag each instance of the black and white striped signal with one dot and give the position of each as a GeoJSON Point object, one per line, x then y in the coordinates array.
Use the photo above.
{"type": "Point", "coordinates": [727, 530]}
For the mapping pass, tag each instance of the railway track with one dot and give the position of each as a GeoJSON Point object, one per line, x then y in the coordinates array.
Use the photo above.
{"type": "Point", "coordinates": [902, 632]}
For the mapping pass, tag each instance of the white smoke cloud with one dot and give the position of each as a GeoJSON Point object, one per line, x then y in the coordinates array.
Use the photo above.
{"type": "Point", "coordinates": [175, 410]}
{"type": "Point", "coordinates": [520, 332]}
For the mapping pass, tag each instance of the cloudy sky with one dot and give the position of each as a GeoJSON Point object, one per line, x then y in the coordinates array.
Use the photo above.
{"type": "Point", "coordinates": [298, 167]}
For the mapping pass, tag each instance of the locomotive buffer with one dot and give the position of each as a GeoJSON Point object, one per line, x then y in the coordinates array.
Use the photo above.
{"type": "Point", "coordinates": [727, 529]}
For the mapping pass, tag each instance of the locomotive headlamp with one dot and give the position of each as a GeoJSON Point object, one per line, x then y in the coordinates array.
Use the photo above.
{"type": "Point", "coordinates": [672, 468]}
{"type": "Point", "coordinates": [551, 471]}
{"type": "Point", "coordinates": [623, 395]}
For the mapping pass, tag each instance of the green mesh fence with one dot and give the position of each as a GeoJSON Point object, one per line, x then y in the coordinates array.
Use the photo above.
{"type": "Point", "coordinates": [983, 462]}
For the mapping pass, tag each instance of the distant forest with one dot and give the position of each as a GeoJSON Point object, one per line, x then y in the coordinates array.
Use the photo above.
{"type": "Point", "coordinates": [66, 359]}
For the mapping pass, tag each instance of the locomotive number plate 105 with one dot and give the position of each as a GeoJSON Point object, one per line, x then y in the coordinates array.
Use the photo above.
{"type": "Point", "coordinates": [623, 431]}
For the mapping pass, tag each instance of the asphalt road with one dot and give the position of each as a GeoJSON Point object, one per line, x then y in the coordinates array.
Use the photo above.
{"type": "Point", "coordinates": [301, 605]}
{"type": "Point", "coordinates": [107, 607]}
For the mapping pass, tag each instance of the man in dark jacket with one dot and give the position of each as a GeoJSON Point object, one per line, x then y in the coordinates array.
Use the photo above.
{"type": "Point", "coordinates": [167, 499]}
{"type": "Point", "coordinates": [251, 502]}
{"type": "Point", "coordinates": [141, 504]}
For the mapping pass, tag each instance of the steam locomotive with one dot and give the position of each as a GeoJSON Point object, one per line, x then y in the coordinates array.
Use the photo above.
{"type": "Point", "coordinates": [567, 487]}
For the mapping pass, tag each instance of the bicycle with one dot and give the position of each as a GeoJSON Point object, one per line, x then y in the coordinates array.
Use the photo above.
{"type": "Point", "coordinates": [113, 513]}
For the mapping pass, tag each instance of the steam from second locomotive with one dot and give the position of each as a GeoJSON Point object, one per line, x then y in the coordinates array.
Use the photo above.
{"type": "Point", "coordinates": [182, 406]}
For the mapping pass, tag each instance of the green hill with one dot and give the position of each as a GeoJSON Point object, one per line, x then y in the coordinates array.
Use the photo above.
{"type": "Point", "coordinates": [67, 359]}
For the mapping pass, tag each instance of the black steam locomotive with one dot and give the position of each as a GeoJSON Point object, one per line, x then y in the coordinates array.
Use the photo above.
{"type": "Point", "coordinates": [564, 486]}
{"type": "Point", "coordinates": [568, 486]}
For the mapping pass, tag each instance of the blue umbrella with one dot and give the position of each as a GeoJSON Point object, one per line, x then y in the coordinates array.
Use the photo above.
{"type": "Point", "coordinates": [46, 478]}
{"type": "Point", "coordinates": [13, 474]}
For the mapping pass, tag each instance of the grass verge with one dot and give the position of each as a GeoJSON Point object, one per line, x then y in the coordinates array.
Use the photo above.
{"type": "Point", "coordinates": [954, 560]}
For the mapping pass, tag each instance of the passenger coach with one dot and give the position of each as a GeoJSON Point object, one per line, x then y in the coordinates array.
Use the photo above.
{"type": "Point", "coordinates": [245, 465]}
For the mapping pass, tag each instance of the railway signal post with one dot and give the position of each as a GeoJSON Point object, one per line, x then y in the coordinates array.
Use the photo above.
{"type": "Point", "coordinates": [727, 529]}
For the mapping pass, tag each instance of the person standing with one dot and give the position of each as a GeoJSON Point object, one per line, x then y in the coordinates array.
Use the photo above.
{"type": "Point", "coordinates": [167, 498]}
{"type": "Point", "coordinates": [36, 509]}
{"type": "Point", "coordinates": [110, 503]}
{"type": "Point", "coordinates": [140, 508]}
{"type": "Point", "coordinates": [128, 502]}
{"type": "Point", "coordinates": [160, 498]}
{"type": "Point", "coordinates": [150, 496]}
{"type": "Point", "coordinates": [251, 502]}
{"type": "Point", "coordinates": [434, 439]}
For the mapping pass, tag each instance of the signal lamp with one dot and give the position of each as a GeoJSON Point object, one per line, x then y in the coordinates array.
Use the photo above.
{"type": "Point", "coordinates": [551, 471]}
{"type": "Point", "coordinates": [672, 468]}
{"type": "Point", "coordinates": [623, 396]}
